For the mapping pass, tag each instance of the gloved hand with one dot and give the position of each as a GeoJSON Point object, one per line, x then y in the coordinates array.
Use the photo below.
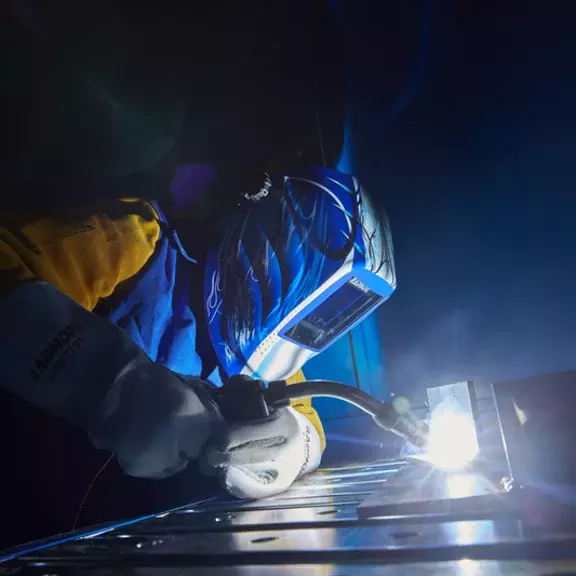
{"type": "Point", "coordinates": [154, 420]}
{"type": "Point", "coordinates": [80, 367]}
{"type": "Point", "coordinates": [261, 459]}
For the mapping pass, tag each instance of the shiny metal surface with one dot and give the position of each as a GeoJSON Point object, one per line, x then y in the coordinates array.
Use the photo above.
{"type": "Point", "coordinates": [464, 567]}
{"type": "Point", "coordinates": [312, 539]}
{"type": "Point", "coordinates": [535, 414]}
{"type": "Point", "coordinates": [419, 489]}
{"type": "Point", "coordinates": [459, 394]}
{"type": "Point", "coordinates": [315, 529]}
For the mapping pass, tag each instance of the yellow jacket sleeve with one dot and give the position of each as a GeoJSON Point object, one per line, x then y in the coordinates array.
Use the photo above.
{"type": "Point", "coordinates": [304, 406]}
{"type": "Point", "coordinates": [84, 253]}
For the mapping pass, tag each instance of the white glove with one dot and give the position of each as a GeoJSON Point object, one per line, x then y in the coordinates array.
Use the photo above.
{"type": "Point", "coordinates": [59, 356]}
{"type": "Point", "coordinates": [261, 459]}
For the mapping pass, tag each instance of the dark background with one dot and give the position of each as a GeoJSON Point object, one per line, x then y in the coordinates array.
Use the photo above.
{"type": "Point", "coordinates": [481, 192]}
{"type": "Point", "coordinates": [463, 126]}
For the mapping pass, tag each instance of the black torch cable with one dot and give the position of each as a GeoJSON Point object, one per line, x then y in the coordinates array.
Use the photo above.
{"type": "Point", "coordinates": [383, 413]}
{"type": "Point", "coordinates": [331, 389]}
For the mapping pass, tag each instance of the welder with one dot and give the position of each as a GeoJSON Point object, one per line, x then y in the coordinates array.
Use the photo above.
{"type": "Point", "coordinates": [123, 317]}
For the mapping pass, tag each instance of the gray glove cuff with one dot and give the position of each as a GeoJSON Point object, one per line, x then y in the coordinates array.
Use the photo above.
{"type": "Point", "coordinates": [154, 420]}
{"type": "Point", "coordinates": [62, 358]}
{"type": "Point", "coordinates": [56, 354]}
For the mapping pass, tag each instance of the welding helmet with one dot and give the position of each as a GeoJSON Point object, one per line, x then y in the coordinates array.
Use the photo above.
{"type": "Point", "coordinates": [305, 262]}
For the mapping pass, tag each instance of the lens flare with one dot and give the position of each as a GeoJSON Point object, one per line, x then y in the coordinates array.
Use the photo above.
{"type": "Point", "coordinates": [452, 443]}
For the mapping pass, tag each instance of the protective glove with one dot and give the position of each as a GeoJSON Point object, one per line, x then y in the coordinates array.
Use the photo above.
{"type": "Point", "coordinates": [261, 459]}
{"type": "Point", "coordinates": [80, 367]}
{"type": "Point", "coordinates": [154, 420]}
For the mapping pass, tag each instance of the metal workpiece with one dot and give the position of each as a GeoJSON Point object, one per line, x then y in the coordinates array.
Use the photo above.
{"type": "Point", "coordinates": [311, 539]}
{"type": "Point", "coordinates": [336, 547]}
{"type": "Point", "coordinates": [462, 394]}
{"type": "Point", "coordinates": [421, 490]}
{"type": "Point", "coordinates": [536, 417]}
{"type": "Point", "coordinates": [372, 518]}
{"type": "Point", "coordinates": [464, 567]}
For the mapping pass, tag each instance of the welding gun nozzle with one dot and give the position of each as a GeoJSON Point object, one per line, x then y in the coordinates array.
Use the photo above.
{"type": "Point", "coordinates": [404, 425]}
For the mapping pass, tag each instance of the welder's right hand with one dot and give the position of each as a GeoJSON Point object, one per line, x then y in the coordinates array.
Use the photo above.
{"type": "Point", "coordinates": [260, 459]}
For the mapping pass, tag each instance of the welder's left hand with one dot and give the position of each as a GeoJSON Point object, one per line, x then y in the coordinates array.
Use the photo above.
{"type": "Point", "coordinates": [261, 459]}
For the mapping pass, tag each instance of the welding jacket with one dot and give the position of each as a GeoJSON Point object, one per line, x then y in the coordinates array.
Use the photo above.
{"type": "Point", "coordinates": [118, 260]}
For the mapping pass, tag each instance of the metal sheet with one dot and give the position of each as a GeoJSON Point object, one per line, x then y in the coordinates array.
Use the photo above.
{"type": "Point", "coordinates": [460, 394]}
{"type": "Point", "coordinates": [378, 537]}
{"type": "Point", "coordinates": [56, 560]}
{"type": "Point", "coordinates": [464, 567]}
{"type": "Point", "coordinates": [277, 518]}
{"type": "Point", "coordinates": [313, 529]}
{"type": "Point", "coordinates": [534, 414]}
{"type": "Point", "coordinates": [422, 490]}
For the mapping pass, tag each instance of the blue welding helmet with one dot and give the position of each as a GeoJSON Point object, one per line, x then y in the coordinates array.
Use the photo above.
{"type": "Point", "coordinates": [307, 261]}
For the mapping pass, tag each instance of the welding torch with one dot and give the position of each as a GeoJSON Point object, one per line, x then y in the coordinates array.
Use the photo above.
{"type": "Point", "coordinates": [243, 399]}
